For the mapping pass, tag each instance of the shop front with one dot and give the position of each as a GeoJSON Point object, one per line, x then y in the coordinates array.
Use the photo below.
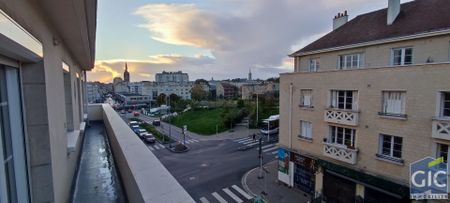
{"type": "Point", "coordinates": [304, 177]}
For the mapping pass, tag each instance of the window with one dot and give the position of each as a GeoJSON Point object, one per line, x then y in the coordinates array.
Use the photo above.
{"type": "Point", "coordinates": [314, 65]}
{"type": "Point", "coordinates": [350, 61]}
{"type": "Point", "coordinates": [343, 99]}
{"type": "Point", "coordinates": [390, 147]}
{"type": "Point", "coordinates": [445, 104]}
{"type": "Point", "coordinates": [442, 151]}
{"type": "Point", "coordinates": [402, 56]}
{"type": "Point", "coordinates": [342, 136]}
{"type": "Point", "coordinates": [305, 130]}
{"type": "Point", "coordinates": [393, 103]}
{"type": "Point", "coordinates": [68, 97]}
{"type": "Point", "coordinates": [306, 98]}
{"type": "Point", "coordinates": [13, 172]}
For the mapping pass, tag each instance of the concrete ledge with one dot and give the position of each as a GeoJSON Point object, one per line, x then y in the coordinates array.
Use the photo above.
{"type": "Point", "coordinates": [72, 140]}
{"type": "Point", "coordinates": [144, 178]}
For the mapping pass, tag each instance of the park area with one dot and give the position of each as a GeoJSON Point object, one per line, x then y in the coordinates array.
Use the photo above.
{"type": "Point", "coordinates": [209, 121]}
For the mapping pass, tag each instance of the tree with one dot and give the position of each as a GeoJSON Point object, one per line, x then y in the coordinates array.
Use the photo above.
{"type": "Point", "coordinates": [174, 98]}
{"type": "Point", "coordinates": [161, 99]}
{"type": "Point", "coordinates": [197, 93]}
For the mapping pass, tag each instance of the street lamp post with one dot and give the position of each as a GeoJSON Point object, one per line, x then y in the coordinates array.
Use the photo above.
{"type": "Point", "coordinates": [257, 111]}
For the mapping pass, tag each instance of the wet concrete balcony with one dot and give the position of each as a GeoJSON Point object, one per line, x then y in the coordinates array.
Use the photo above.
{"type": "Point", "coordinates": [116, 166]}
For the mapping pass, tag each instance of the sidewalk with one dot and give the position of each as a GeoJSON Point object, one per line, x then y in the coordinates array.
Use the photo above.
{"type": "Point", "coordinates": [276, 192]}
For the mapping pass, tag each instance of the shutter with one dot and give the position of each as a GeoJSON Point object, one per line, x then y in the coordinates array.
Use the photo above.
{"type": "Point", "coordinates": [334, 99]}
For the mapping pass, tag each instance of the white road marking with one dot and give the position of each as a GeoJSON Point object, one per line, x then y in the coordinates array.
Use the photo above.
{"type": "Point", "coordinates": [187, 141]}
{"type": "Point", "coordinates": [203, 200]}
{"type": "Point", "coordinates": [162, 146]}
{"type": "Point", "coordinates": [251, 141]}
{"type": "Point", "coordinates": [266, 146]}
{"type": "Point", "coordinates": [249, 145]}
{"type": "Point", "coordinates": [156, 147]}
{"type": "Point", "coordinates": [242, 192]}
{"type": "Point", "coordinates": [194, 141]}
{"type": "Point", "coordinates": [151, 148]}
{"type": "Point", "coordinates": [232, 195]}
{"type": "Point", "coordinates": [219, 198]}
{"type": "Point", "coordinates": [246, 141]}
{"type": "Point", "coordinates": [245, 138]}
{"type": "Point", "coordinates": [270, 149]}
{"type": "Point", "coordinates": [275, 152]}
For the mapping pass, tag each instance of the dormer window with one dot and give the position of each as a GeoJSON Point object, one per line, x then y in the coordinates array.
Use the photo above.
{"type": "Point", "coordinates": [402, 56]}
{"type": "Point", "coordinates": [350, 61]}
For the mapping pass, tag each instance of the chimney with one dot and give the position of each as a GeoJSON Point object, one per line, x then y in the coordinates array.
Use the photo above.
{"type": "Point", "coordinates": [339, 20]}
{"type": "Point", "coordinates": [393, 11]}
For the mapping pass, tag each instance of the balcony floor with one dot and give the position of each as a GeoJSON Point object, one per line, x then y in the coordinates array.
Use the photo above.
{"type": "Point", "coordinates": [97, 180]}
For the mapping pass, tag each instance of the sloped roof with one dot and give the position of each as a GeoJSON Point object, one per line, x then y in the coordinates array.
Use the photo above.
{"type": "Point", "coordinates": [416, 17]}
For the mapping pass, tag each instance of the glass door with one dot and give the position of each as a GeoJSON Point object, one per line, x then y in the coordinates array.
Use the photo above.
{"type": "Point", "coordinates": [13, 173]}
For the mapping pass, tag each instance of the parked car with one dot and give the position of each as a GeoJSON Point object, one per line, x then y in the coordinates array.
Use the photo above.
{"type": "Point", "coordinates": [136, 114]}
{"type": "Point", "coordinates": [130, 111]}
{"type": "Point", "coordinates": [140, 132]}
{"type": "Point", "coordinates": [122, 112]}
{"type": "Point", "coordinates": [132, 123]}
{"type": "Point", "coordinates": [156, 122]}
{"type": "Point", "coordinates": [149, 138]}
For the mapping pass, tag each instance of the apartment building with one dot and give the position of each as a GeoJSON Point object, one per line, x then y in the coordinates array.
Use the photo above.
{"type": "Point", "coordinates": [176, 77]}
{"type": "Point", "coordinates": [225, 90]}
{"type": "Point", "coordinates": [46, 48]}
{"type": "Point", "coordinates": [248, 90]}
{"type": "Point", "coordinates": [365, 101]}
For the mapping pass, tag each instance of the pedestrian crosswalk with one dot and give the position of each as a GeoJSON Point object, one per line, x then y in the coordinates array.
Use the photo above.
{"type": "Point", "coordinates": [158, 146]}
{"type": "Point", "coordinates": [227, 194]}
{"type": "Point", "coordinates": [269, 149]}
{"type": "Point", "coordinates": [191, 141]}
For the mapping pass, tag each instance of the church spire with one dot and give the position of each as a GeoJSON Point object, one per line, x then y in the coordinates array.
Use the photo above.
{"type": "Point", "coordinates": [126, 74]}
{"type": "Point", "coordinates": [249, 74]}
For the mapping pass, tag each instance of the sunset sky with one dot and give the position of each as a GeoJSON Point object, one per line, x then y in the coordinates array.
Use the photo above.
{"type": "Point", "coordinates": [213, 38]}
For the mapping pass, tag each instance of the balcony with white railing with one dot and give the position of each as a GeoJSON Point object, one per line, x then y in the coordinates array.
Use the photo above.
{"type": "Point", "coordinates": [341, 116]}
{"type": "Point", "coordinates": [339, 152]}
{"type": "Point", "coordinates": [441, 128]}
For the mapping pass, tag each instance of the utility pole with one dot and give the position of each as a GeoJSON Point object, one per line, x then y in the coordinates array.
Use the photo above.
{"type": "Point", "coordinates": [260, 175]}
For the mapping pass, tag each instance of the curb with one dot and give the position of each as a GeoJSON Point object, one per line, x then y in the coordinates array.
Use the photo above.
{"type": "Point", "coordinates": [170, 149]}
{"type": "Point", "coordinates": [244, 182]}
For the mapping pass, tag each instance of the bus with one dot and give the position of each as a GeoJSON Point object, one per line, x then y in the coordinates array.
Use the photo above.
{"type": "Point", "coordinates": [270, 125]}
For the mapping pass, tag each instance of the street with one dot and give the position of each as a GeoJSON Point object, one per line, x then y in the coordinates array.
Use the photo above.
{"type": "Point", "coordinates": [211, 170]}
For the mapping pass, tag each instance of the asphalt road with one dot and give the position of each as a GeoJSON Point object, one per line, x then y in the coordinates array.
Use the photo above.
{"type": "Point", "coordinates": [210, 166]}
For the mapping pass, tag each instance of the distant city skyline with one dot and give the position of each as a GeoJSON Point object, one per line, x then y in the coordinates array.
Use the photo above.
{"type": "Point", "coordinates": [218, 38]}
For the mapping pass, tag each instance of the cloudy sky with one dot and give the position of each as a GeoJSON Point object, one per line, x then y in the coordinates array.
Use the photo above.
{"type": "Point", "coordinates": [213, 38]}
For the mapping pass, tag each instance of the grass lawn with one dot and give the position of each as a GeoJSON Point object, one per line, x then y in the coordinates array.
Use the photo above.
{"type": "Point", "coordinates": [203, 121]}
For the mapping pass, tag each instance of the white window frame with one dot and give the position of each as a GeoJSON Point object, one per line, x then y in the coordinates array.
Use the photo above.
{"type": "Point", "coordinates": [391, 147]}
{"type": "Point", "coordinates": [402, 56]}
{"type": "Point", "coordinates": [314, 64]}
{"type": "Point", "coordinates": [335, 140]}
{"type": "Point", "coordinates": [334, 99]}
{"type": "Point", "coordinates": [343, 59]}
{"type": "Point", "coordinates": [305, 98]}
{"type": "Point", "coordinates": [391, 106]}
{"type": "Point", "coordinates": [305, 130]}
